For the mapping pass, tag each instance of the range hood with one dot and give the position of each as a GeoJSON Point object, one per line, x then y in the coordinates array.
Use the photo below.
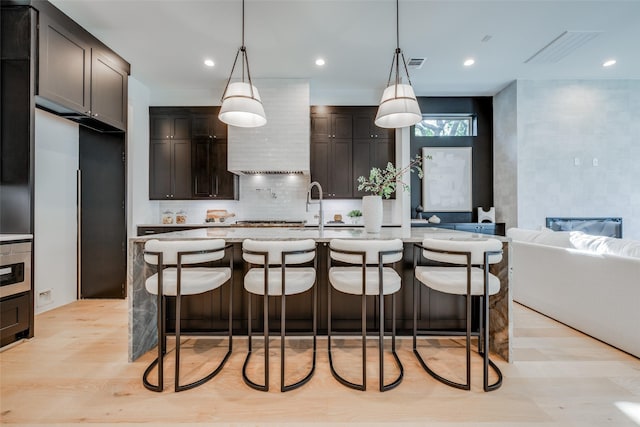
{"type": "Point", "coordinates": [282, 145]}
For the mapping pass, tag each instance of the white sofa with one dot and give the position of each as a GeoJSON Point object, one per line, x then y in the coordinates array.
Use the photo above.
{"type": "Point", "coordinates": [590, 283]}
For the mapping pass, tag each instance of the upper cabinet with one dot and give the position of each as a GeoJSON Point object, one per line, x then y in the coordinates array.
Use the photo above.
{"type": "Point", "coordinates": [364, 126]}
{"type": "Point", "coordinates": [79, 77]}
{"type": "Point", "coordinates": [346, 144]}
{"type": "Point", "coordinates": [188, 155]}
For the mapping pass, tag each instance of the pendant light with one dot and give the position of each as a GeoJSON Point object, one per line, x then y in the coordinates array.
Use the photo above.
{"type": "Point", "coordinates": [241, 103]}
{"type": "Point", "coordinates": [398, 107]}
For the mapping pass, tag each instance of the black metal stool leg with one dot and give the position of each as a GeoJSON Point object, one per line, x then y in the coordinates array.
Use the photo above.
{"type": "Point", "coordinates": [398, 380]}
{"type": "Point", "coordinates": [265, 386]}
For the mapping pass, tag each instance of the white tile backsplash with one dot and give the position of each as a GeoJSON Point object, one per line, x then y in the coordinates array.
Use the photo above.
{"type": "Point", "coordinates": [281, 197]}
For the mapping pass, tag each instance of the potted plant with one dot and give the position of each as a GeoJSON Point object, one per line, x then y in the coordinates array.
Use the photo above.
{"type": "Point", "coordinates": [355, 216]}
{"type": "Point", "coordinates": [382, 183]}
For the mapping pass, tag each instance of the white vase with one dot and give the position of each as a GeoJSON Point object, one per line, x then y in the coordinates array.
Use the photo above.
{"type": "Point", "coordinates": [372, 213]}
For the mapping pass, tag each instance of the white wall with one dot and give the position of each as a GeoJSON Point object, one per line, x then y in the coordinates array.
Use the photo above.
{"type": "Point", "coordinates": [55, 206]}
{"type": "Point", "coordinates": [505, 155]}
{"type": "Point", "coordinates": [563, 127]}
{"type": "Point", "coordinates": [140, 210]}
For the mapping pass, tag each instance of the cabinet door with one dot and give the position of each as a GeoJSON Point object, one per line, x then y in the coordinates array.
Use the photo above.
{"type": "Point", "coordinates": [340, 170]}
{"type": "Point", "coordinates": [370, 153]}
{"type": "Point", "coordinates": [361, 163]}
{"type": "Point", "coordinates": [202, 167]}
{"type": "Point", "coordinates": [477, 228]}
{"type": "Point", "coordinates": [180, 127]}
{"type": "Point", "coordinates": [159, 126]}
{"type": "Point", "coordinates": [320, 127]}
{"type": "Point", "coordinates": [320, 165]}
{"type": "Point", "coordinates": [64, 62]}
{"type": "Point", "coordinates": [108, 92]}
{"type": "Point", "coordinates": [224, 181]}
{"type": "Point", "coordinates": [181, 168]}
{"type": "Point", "coordinates": [208, 125]}
{"type": "Point", "coordinates": [160, 169]}
{"type": "Point", "coordinates": [202, 125]}
{"type": "Point", "coordinates": [342, 125]}
{"type": "Point", "coordinates": [363, 125]}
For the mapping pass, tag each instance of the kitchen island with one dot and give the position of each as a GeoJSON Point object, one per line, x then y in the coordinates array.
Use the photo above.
{"type": "Point", "coordinates": [437, 311]}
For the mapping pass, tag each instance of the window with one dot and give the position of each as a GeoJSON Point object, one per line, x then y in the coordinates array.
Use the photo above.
{"type": "Point", "coordinates": [445, 126]}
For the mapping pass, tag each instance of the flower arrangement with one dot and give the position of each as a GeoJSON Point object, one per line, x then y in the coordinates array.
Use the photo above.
{"type": "Point", "coordinates": [383, 182]}
{"type": "Point", "coordinates": [354, 213]}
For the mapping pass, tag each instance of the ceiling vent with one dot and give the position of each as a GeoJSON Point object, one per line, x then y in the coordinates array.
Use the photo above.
{"type": "Point", "coordinates": [415, 63]}
{"type": "Point", "coordinates": [561, 46]}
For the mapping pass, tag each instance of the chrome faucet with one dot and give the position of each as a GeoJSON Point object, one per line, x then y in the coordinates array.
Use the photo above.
{"type": "Point", "coordinates": [319, 202]}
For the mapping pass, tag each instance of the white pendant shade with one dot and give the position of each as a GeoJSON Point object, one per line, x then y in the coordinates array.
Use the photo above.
{"type": "Point", "coordinates": [399, 108]}
{"type": "Point", "coordinates": [239, 108]}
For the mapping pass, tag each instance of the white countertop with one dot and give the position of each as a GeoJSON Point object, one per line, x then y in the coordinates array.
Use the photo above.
{"type": "Point", "coordinates": [233, 234]}
{"type": "Point", "coordinates": [233, 224]}
{"type": "Point", "coordinates": [15, 237]}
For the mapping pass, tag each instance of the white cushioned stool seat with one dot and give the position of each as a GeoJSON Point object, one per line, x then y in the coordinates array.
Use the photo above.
{"type": "Point", "coordinates": [371, 258]}
{"type": "Point", "coordinates": [268, 260]}
{"type": "Point", "coordinates": [297, 280]}
{"type": "Point", "coordinates": [186, 261]}
{"type": "Point", "coordinates": [465, 273]}
{"type": "Point", "coordinates": [453, 280]}
{"type": "Point", "coordinates": [195, 280]}
{"type": "Point", "coordinates": [349, 280]}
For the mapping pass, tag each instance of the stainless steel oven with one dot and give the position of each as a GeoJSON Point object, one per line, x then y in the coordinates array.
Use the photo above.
{"type": "Point", "coordinates": [15, 268]}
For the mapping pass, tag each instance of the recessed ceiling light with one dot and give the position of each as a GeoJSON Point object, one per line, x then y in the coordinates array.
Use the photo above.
{"type": "Point", "coordinates": [209, 63]}
{"type": "Point", "coordinates": [609, 63]}
{"type": "Point", "coordinates": [469, 62]}
{"type": "Point", "coordinates": [320, 62]}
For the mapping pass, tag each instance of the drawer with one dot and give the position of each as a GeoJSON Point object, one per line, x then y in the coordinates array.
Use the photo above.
{"type": "Point", "coordinates": [14, 317]}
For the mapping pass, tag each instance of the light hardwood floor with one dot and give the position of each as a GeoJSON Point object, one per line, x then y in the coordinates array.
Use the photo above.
{"type": "Point", "coordinates": [75, 371]}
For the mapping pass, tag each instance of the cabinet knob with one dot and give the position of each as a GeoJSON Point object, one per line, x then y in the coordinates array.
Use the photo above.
{"type": "Point", "coordinates": [167, 196]}
{"type": "Point", "coordinates": [334, 136]}
{"type": "Point", "coordinates": [171, 136]}
{"type": "Point", "coordinates": [215, 137]}
{"type": "Point", "coordinates": [329, 136]}
{"type": "Point", "coordinates": [167, 136]}
{"type": "Point", "coordinates": [370, 136]}
{"type": "Point", "coordinates": [95, 115]}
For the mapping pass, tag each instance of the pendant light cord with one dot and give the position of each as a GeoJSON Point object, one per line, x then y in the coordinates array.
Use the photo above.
{"type": "Point", "coordinates": [397, 25]}
{"type": "Point", "coordinates": [245, 62]}
{"type": "Point", "coordinates": [395, 63]}
{"type": "Point", "coordinates": [242, 23]}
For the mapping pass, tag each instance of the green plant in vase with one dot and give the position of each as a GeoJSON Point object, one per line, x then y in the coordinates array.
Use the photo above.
{"type": "Point", "coordinates": [383, 182]}
{"type": "Point", "coordinates": [355, 216]}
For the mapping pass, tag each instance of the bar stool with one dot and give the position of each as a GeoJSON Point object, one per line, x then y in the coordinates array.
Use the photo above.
{"type": "Point", "coordinates": [371, 277]}
{"type": "Point", "coordinates": [466, 272]}
{"type": "Point", "coordinates": [276, 277]}
{"type": "Point", "coordinates": [175, 276]}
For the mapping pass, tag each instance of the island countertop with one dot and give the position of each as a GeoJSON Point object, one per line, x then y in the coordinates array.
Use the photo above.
{"type": "Point", "coordinates": [235, 235]}
{"type": "Point", "coordinates": [142, 306]}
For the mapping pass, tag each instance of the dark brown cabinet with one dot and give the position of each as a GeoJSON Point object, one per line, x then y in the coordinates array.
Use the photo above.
{"type": "Point", "coordinates": [365, 128]}
{"type": "Point", "coordinates": [78, 77]}
{"type": "Point", "coordinates": [367, 154]}
{"type": "Point", "coordinates": [64, 64]}
{"type": "Point", "coordinates": [208, 125]}
{"type": "Point", "coordinates": [170, 169]}
{"type": "Point", "coordinates": [211, 179]}
{"type": "Point", "coordinates": [331, 152]}
{"type": "Point", "coordinates": [339, 156]}
{"type": "Point", "coordinates": [188, 155]}
{"type": "Point", "coordinates": [108, 91]}
{"type": "Point", "coordinates": [164, 124]}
